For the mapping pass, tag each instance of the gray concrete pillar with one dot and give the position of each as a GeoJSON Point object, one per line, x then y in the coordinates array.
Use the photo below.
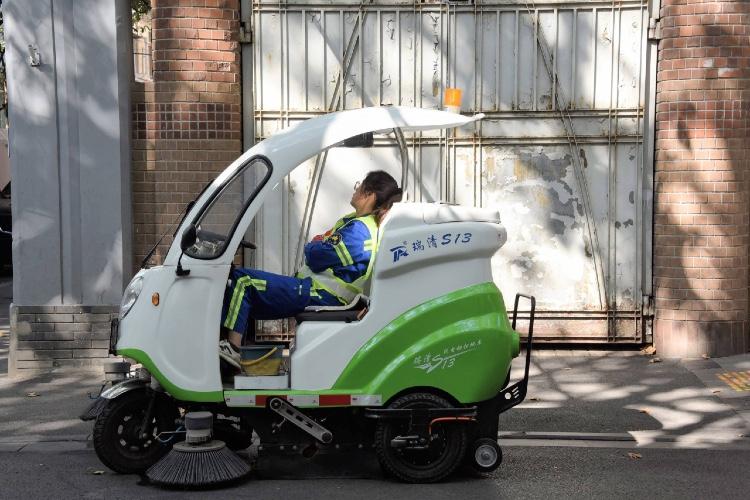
{"type": "Point", "coordinates": [69, 68]}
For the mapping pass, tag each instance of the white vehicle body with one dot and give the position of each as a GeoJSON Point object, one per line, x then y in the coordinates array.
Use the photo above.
{"type": "Point", "coordinates": [180, 334]}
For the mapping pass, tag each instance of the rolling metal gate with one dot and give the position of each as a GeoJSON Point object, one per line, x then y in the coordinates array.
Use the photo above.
{"type": "Point", "coordinates": [560, 153]}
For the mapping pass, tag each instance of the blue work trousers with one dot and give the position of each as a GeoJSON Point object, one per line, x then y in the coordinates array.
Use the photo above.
{"type": "Point", "coordinates": [254, 294]}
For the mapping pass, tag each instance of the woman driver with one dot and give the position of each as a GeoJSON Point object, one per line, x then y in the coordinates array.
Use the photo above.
{"type": "Point", "coordinates": [337, 265]}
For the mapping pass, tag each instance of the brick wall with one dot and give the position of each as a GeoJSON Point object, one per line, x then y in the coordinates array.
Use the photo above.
{"type": "Point", "coordinates": [186, 122]}
{"type": "Point", "coordinates": [701, 179]}
{"type": "Point", "coordinates": [58, 337]}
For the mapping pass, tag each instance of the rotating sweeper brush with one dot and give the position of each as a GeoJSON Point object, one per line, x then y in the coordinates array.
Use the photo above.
{"type": "Point", "coordinates": [199, 461]}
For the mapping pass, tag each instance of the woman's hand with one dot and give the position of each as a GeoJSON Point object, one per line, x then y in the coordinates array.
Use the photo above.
{"type": "Point", "coordinates": [321, 237]}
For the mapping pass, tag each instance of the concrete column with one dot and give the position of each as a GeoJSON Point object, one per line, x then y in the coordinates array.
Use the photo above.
{"type": "Point", "coordinates": [702, 179]}
{"type": "Point", "coordinates": [69, 143]}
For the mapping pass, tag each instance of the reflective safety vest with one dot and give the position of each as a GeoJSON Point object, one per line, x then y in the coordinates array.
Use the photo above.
{"type": "Point", "coordinates": [335, 250]}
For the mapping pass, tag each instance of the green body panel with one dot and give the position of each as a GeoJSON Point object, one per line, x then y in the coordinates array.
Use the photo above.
{"type": "Point", "coordinates": [460, 343]}
{"type": "Point", "coordinates": [176, 392]}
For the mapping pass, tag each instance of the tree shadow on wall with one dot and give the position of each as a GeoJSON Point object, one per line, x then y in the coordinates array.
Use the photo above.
{"type": "Point", "coordinates": [701, 206]}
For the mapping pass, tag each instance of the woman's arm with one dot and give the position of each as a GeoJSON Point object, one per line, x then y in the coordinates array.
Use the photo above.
{"type": "Point", "coordinates": [342, 248]}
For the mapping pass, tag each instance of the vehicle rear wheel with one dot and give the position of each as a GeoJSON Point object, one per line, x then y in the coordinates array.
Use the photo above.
{"type": "Point", "coordinates": [117, 437]}
{"type": "Point", "coordinates": [444, 453]}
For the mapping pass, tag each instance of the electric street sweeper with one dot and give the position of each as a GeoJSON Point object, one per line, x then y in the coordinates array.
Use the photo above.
{"type": "Point", "coordinates": [418, 370]}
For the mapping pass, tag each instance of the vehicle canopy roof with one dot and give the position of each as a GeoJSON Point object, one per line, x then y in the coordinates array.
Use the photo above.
{"type": "Point", "coordinates": [289, 148]}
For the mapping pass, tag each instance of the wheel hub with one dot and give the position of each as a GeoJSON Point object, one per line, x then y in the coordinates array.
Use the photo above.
{"type": "Point", "coordinates": [485, 455]}
{"type": "Point", "coordinates": [130, 433]}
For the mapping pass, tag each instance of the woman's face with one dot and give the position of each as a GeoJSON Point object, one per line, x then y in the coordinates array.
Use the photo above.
{"type": "Point", "coordinates": [362, 202]}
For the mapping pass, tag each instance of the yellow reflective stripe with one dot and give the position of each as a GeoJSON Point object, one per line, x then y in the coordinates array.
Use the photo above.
{"type": "Point", "coordinates": [344, 254]}
{"type": "Point", "coordinates": [369, 246]}
{"type": "Point", "coordinates": [341, 256]}
{"type": "Point", "coordinates": [317, 285]}
{"type": "Point", "coordinates": [350, 290]}
{"type": "Point", "coordinates": [239, 292]}
{"type": "Point", "coordinates": [343, 221]}
{"type": "Point", "coordinates": [372, 226]}
{"type": "Point", "coordinates": [234, 304]}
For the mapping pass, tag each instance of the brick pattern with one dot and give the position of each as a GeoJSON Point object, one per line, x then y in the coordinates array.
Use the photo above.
{"type": "Point", "coordinates": [701, 231]}
{"type": "Point", "coordinates": [58, 337]}
{"type": "Point", "coordinates": [187, 121]}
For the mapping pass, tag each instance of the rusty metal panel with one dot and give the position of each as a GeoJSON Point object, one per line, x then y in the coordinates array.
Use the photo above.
{"type": "Point", "coordinates": [560, 153]}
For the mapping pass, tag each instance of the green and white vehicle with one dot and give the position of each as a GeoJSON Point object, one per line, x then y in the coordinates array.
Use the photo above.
{"type": "Point", "coordinates": [417, 370]}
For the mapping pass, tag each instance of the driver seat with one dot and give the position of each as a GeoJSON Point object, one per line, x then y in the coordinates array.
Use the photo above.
{"type": "Point", "coordinates": [352, 311]}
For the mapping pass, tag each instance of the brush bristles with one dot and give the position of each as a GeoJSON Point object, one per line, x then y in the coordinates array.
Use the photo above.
{"type": "Point", "coordinates": [203, 468]}
{"type": "Point", "coordinates": [95, 409]}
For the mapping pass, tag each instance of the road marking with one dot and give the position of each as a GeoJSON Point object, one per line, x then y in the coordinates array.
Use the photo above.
{"type": "Point", "coordinates": [739, 381]}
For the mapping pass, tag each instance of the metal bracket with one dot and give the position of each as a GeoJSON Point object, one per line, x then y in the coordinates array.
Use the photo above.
{"type": "Point", "coordinates": [409, 413]}
{"type": "Point", "coordinates": [654, 29]}
{"type": "Point", "coordinates": [516, 393]}
{"type": "Point", "coordinates": [648, 305]}
{"type": "Point", "coordinates": [301, 420]}
{"type": "Point", "coordinates": [246, 32]}
{"type": "Point", "coordinates": [35, 59]}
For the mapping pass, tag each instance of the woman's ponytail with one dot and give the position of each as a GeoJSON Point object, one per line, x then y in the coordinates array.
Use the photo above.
{"type": "Point", "coordinates": [386, 191]}
{"type": "Point", "coordinates": [381, 211]}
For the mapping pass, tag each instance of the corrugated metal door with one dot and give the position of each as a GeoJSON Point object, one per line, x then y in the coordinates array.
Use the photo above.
{"type": "Point", "coordinates": [560, 152]}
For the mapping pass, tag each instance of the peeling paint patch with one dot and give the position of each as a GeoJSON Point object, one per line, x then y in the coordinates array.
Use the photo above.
{"type": "Point", "coordinates": [587, 248]}
{"type": "Point", "coordinates": [542, 180]}
{"type": "Point", "coordinates": [390, 27]}
{"type": "Point", "coordinates": [582, 154]}
{"type": "Point", "coordinates": [541, 165]}
{"type": "Point", "coordinates": [631, 197]}
{"type": "Point", "coordinates": [524, 267]}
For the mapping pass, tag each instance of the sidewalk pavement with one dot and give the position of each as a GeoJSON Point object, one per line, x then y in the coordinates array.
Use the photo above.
{"type": "Point", "coordinates": [631, 397]}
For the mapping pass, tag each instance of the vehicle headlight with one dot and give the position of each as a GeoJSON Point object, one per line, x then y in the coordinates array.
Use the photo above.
{"type": "Point", "coordinates": [131, 295]}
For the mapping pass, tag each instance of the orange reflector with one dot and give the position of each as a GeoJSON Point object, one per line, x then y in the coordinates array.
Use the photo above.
{"type": "Point", "coordinates": [453, 99]}
{"type": "Point", "coordinates": [155, 299]}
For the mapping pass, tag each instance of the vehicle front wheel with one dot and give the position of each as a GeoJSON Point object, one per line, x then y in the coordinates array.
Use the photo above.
{"type": "Point", "coordinates": [117, 436]}
{"type": "Point", "coordinates": [444, 452]}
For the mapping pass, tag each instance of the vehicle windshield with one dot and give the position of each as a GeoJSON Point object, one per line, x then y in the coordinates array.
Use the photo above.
{"type": "Point", "coordinates": [216, 224]}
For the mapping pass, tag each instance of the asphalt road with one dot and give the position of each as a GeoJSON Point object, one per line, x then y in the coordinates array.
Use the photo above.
{"type": "Point", "coordinates": [527, 472]}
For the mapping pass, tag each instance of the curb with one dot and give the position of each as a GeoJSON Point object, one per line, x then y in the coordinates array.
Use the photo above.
{"type": "Point", "coordinates": [718, 439]}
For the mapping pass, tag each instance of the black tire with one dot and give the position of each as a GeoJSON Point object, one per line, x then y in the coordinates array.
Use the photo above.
{"type": "Point", "coordinates": [446, 451]}
{"type": "Point", "coordinates": [116, 429]}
